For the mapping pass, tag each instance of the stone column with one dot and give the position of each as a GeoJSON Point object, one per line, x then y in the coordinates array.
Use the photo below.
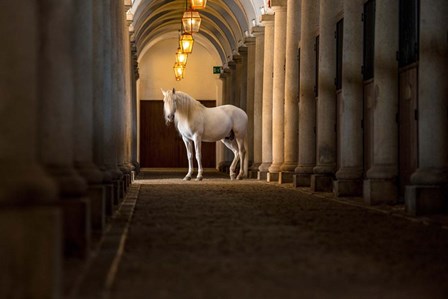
{"type": "Point", "coordinates": [30, 223]}
{"type": "Point", "coordinates": [278, 89]}
{"type": "Point", "coordinates": [110, 99]}
{"type": "Point", "coordinates": [118, 90]}
{"type": "Point", "coordinates": [242, 77]}
{"type": "Point", "coordinates": [222, 161]}
{"type": "Point", "coordinates": [291, 91]}
{"type": "Point", "coordinates": [322, 179]}
{"type": "Point", "coordinates": [268, 22]}
{"type": "Point", "coordinates": [99, 103]}
{"type": "Point", "coordinates": [258, 32]}
{"type": "Point", "coordinates": [56, 121]}
{"type": "Point", "coordinates": [250, 43]}
{"type": "Point", "coordinates": [229, 74]}
{"type": "Point", "coordinates": [349, 175]}
{"type": "Point", "coordinates": [83, 111]}
{"type": "Point", "coordinates": [307, 103]}
{"type": "Point", "coordinates": [123, 107]}
{"type": "Point", "coordinates": [381, 183]}
{"type": "Point", "coordinates": [134, 99]}
{"type": "Point", "coordinates": [232, 91]}
{"type": "Point", "coordinates": [428, 192]}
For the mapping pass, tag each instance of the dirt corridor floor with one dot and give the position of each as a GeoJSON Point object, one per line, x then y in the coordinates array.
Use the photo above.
{"type": "Point", "coordinates": [249, 239]}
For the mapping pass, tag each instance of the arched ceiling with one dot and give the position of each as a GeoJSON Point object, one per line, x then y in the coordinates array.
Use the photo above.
{"type": "Point", "coordinates": [223, 26]}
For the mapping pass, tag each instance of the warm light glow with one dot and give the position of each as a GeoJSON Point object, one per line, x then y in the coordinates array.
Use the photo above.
{"type": "Point", "coordinates": [198, 4]}
{"type": "Point", "coordinates": [191, 21]}
{"type": "Point", "coordinates": [181, 57]}
{"type": "Point", "coordinates": [178, 71]}
{"type": "Point", "coordinates": [186, 43]}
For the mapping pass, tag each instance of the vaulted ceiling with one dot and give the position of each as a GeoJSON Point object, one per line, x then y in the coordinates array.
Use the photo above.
{"type": "Point", "coordinates": [224, 25]}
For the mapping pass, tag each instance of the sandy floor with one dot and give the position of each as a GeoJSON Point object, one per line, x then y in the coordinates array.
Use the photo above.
{"type": "Point", "coordinates": [251, 239]}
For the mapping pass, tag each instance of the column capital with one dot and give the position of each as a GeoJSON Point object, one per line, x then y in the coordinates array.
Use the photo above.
{"type": "Point", "coordinates": [267, 19]}
{"type": "Point", "coordinates": [231, 64]}
{"type": "Point", "coordinates": [275, 4]}
{"type": "Point", "coordinates": [224, 73]}
{"type": "Point", "coordinates": [242, 49]}
{"type": "Point", "coordinates": [249, 41]}
{"type": "Point", "coordinates": [258, 30]}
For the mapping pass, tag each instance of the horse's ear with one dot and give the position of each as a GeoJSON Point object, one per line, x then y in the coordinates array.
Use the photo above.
{"type": "Point", "coordinates": [164, 92]}
{"type": "Point", "coordinates": [174, 91]}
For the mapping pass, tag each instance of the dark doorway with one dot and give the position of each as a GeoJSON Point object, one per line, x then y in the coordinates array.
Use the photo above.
{"type": "Point", "coordinates": [161, 145]}
{"type": "Point", "coordinates": [408, 91]}
{"type": "Point", "coordinates": [368, 75]}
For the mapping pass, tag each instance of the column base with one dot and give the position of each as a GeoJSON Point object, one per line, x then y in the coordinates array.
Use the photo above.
{"type": "Point", "coordinates": [426, 199]}
{"type": "Point", "coordinates": [352, 187]}
{"type": "Point", "coordinates": [262, 175]}
{"type": "Point", "coordinates": [301, 180]}
{"type": "Point", "coordinates": [322, 183]}
{"type": "Point", "coordinates": [97, 196]}
{"type": "Point", "coordinates": [252, 174]}
{"type": "Point", "coordinates": [378, 191]}
{"type": "Point", "coordinates": [264, 167]}
{"type": "Point", "coordinates": [76, 224]}
{"type": "Point", "coordinates": [286, 177]}
{"type": "Point", "coordinates": [272, 177]}
{"type": "Point", "coordinates": [31, 252]}
{"type": "Point", "coordinates": [110, 199]}
{"type": "Point", "coordinates": [224, 166]}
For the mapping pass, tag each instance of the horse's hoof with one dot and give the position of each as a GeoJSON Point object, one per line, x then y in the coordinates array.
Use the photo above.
{"type": "Point", "coordinates": [187, 178]}
{"type": "Point", "coordinates": [199, 178]}
{"type": "Point", "coordinates": [240, 177]}
{"type": "Point", "coordinates": [232, 177]}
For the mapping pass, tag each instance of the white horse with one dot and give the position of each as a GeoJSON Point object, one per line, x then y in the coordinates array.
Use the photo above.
{"type": "Point", "coordinates": [197, 123]}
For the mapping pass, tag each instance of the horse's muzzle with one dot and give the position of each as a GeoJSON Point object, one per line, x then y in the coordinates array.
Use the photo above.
{"type": "Point", "coordinates": [170, 118]}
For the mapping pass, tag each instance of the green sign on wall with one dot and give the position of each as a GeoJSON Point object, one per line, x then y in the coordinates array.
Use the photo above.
{"type": "Point", "coordinates": [217, 70]}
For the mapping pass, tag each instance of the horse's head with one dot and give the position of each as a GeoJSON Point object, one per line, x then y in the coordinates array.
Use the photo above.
{"type": "Point", "coordinates": [169, 104]}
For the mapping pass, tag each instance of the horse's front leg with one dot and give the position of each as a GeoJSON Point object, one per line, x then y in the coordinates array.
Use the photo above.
{"type": "Point", "coordinates": [189, 147]}
{"type": "Point", "coordinates": [197, 147]}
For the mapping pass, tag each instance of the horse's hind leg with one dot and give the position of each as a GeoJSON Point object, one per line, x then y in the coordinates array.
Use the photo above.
{"type": "Point", "coordinates": [233, 146]}
{"type": "Point", "coordinates": [242, 154]}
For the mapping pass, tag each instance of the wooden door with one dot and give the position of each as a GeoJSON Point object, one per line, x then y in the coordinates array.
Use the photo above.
{"type": "Point", "coordinates": [368, 76]}
{"type": "Point", "coordinates": [161, 145]}
{"type": "Point", "coordinates": [407, 126]}
{"type": "Point", "coordinates": [408, 91]}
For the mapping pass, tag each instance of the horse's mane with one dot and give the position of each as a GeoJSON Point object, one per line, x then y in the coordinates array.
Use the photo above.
{"type": "Point", "coordinates": [186, 104]}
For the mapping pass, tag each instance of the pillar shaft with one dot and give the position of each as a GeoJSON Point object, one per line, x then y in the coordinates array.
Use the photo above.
{"type": "Point", "coordinates": [56, 97]}
{"type": "Point", "coordinates": [433, 95]}
{"type": "Point", "coordinates": [83, 92]}
{"type": "Point", "coordinates": [110, 90]}
{"type": "Point", "coordinates": [291, 86]}
{"type": "Point", "coordinates": [21, 172]}
{"type": "Point", "coordinates": [278, 101]}
{"type": "Point", "coordinates": [326, 104]}
{"type": "Point", "coordinates": [268, 22]}
{"type": "Point", "coordinates": [25, 188]}
{"type": "Point", "coordinates": [258, 32]}
{"type": "Point", "coordinates": [381, 183]}
{"type": "Point", "coordinates": [350, 109]}
{"type": "Point", "coordinates": [428, 192]}
{"type": "Point", "coordinates": [251, 62]}
{"type": "Point", "coordinates": [307, 105]}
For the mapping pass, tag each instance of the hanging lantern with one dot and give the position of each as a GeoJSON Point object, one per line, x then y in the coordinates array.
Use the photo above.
{"type": "Point", "coordinates": [178, 71]}
{"type": "Point", "coordinates": [186, 43]}
{"type": "Point", "coordinates": [181, 57]}
{"type": "Point", "coordinates": [191, 21]}
{"type": "Point", "coordinates": [198, 4]}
